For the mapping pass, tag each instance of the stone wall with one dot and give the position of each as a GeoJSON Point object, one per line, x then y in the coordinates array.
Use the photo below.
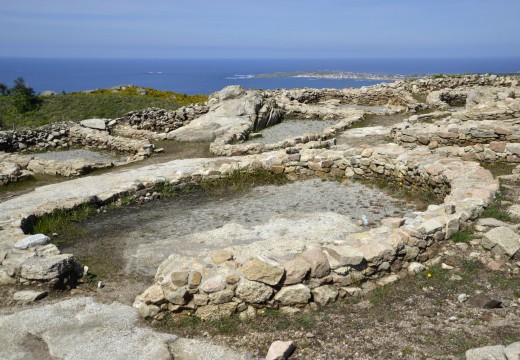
{"type": "Point", "coordinates": [428, 84]}
{"type": "Point", "coordinates": [306, 140]}
{"type": "Point", "coordinates": [65, 135]}
{"type": "Point", "coordinates": [495, 102]}
{"type": "Point", "coordinates": [449, 131]}
{"type": "Point", "coordinates": [46, 137]}
{"type": "Point", "coordinates": [157, 120]}
{"type": "Point", "coordinates": [378, 95]}
{"type": "Point", "coordinates": [218, 285]}
{"type": "Point", "coordinates": [340, 268]}
{"type": "Point", "coordinates": [15, 167]}
{"type": "Point", "coordinates": [495, 151]}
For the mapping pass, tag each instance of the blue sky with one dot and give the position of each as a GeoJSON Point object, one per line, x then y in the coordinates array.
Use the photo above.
{"type": "Point", "coordinates": [260, 29]}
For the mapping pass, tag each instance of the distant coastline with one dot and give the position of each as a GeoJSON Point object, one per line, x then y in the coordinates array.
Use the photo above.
{"type": "Point", "coordinates": [334, 75]}
{"type": "Point", "coordinates": [204, 76]}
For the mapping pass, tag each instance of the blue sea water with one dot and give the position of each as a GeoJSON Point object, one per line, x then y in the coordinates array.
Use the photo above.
{"type": "Point", "coordinates": [209, 75]}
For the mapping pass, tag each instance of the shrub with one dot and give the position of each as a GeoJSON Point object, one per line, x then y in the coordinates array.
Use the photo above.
{"type": "Point", "coordinates": [24, 98]}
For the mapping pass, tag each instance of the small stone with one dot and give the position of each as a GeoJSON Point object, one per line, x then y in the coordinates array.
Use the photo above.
{"type": "Point", "coordinates": [213, 284]}
{"type": "Point", "coordinates": [415, 268]}
{"type": "Point", "coordinates": [324, 295]}
{"type": "Point", "coordinates": [293, 295]}
{"type": "Point", "coordinates": [29, 295]}
{"type": "Point", "coordinates": [179, 278]}
{"type": "Point", "coordinates": [194, 279]}
{"type": "Point", "coordinates": [47, 268]}
{"type": "Point", "coordinates": [388, 280]}
{"type": "Point", "coordinates": [264, 270]}
{"type": "Point", "coordinates": [148, 311]}
{"type": "Point", "coordinates": [344, 255]}
{"type": "Point", "coordinates": [318, 262]}
{"type": "Point", "coordinates": [253, 292]}
{"type": "Point", "coordinates": [393, 222]}
{"type": "Point", "coordinates": [33, 240]}
{"type": "Point", "coordinates": [280, 350]}
{"type": "Point", "coordinates": [216, 311]}
{"type": "Point", "coordinates": [200, 299]}
{"type": "Point", "coordinates": [354, 291]}
{"type": "Point", "coordinates": [221, 256]}
{"type": "Point", "coordinates": [98, 124]}
{"type": "Point", "coordinates": [309, 335]}
{"type": "Point", "coordinates": [153, 295]}
{"type": "Point", "coordinates": [221, 297]}
{"type": "Point", "coordinates": [453, 318]}
{"type": "Point", "coordinates": [232, 279]}
{"type": "Point", "coordinates": [431, 226]}
{"type": "Point", "coordinates": [178, 296]}
{"type": "Point", "coordinates": [297, 270]}
{"type": "Point", "coordinates": [446, 266]}
{"type": "Point", "coordinates": [289, 310]}
{"type": "Point", "coordinates": [462, 298]}
{"type": "Point", "coordinates": [248, 314]}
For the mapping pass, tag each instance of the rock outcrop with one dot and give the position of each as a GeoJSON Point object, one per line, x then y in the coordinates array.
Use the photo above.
{"type": "Point", "coordinates": [233, 113]}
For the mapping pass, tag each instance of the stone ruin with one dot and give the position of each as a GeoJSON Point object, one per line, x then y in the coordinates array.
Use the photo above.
{"type": "Point", "coordinates": [438, 151]}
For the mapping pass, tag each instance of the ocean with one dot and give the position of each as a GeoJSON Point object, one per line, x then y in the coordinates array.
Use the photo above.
{"type": "Point", "coordinates": [204, 76]}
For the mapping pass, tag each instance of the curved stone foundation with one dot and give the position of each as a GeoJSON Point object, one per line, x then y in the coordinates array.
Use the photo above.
{"type": "Point", "coordinates": [378, 256]}
{"type": "Point", "coordinates": [15, 166]}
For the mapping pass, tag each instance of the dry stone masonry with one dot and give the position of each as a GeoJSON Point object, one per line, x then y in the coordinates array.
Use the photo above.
{"type": "Point", "coordinates": [17, 164]}
{"type": "Point", "coordinates": [434, 153]}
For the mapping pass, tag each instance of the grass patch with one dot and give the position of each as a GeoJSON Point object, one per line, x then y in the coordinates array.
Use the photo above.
{"type": "Point", "coordinates": [420, 197]}
{"type": "Point", "coordinates": [226, 325]}
{"type": "Point", "coordinates": [236, 181]}
{"type": "Point", "coordinates": [497, 212]}
{"type": "Point", "coordinates": [99, 103]}
{"type": "Point", "coordinates": [240, 181]}
{"type": "Point", "coordinates": [61, 220]}
{"type": "Point", "coordinates": [470, 266]}
{"type": "Point", "coordinates": [306, 321]}
{"type": "Point", "coordinates": [379, 295]}
{"type": "Point", "coordinates": [407, 351]}
{"type": "Point", "coordinates": [420, 97]}
{"type": "Point", "coordinates": [499, 168]}
{"type": "Point", "coordinates": [463, 236]}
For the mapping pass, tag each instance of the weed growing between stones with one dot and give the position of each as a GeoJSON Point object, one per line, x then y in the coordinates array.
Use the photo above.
{"type": "Point", "coordinates": [463, 236]}
{"type": "Point", "coordinates": [498, 168]}
{"type": "Point", "coordinates": [497, 210]}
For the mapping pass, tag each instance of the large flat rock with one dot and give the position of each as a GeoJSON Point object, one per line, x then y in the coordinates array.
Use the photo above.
{"type": "Point", "coordinates": [83, 329]}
